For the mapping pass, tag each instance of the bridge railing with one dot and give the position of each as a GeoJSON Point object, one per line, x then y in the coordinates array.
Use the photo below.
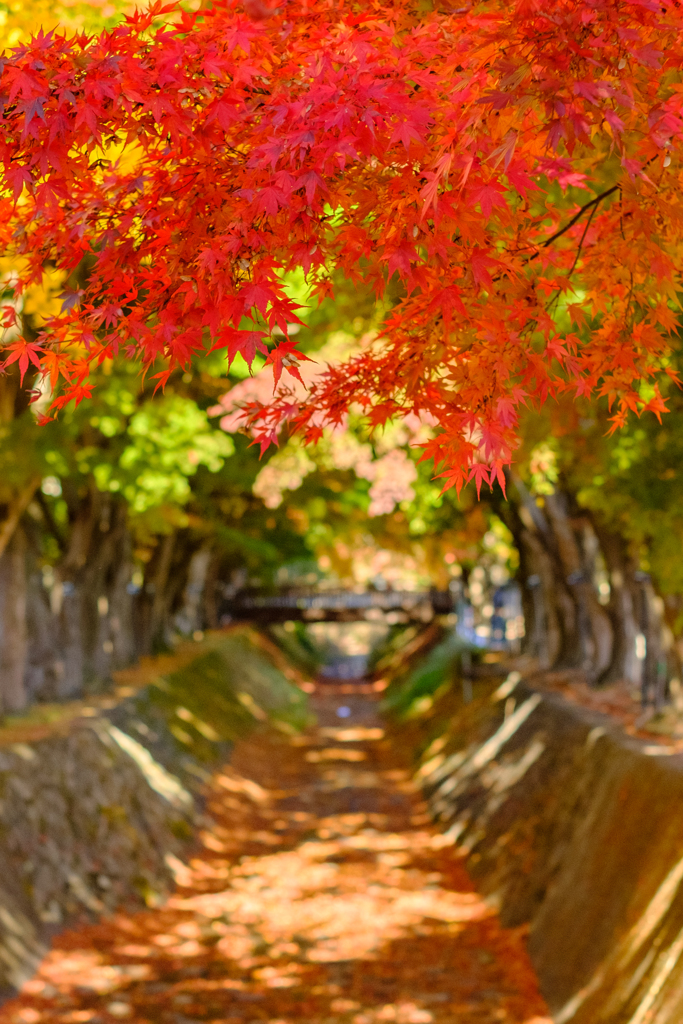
{"type": "Point", "coordinates": [500, 630]}
{"type": "Point", "coordinates": [246, 604]}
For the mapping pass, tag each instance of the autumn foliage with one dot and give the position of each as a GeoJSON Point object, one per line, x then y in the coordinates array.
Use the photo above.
{"type": "Point", "coordinates": [511, 172]}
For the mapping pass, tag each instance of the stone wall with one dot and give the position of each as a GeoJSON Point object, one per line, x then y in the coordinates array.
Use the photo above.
{"type": "Point", "coordinates": [574, 829]}
{"type": "Point", "coordinates": [94, 813]}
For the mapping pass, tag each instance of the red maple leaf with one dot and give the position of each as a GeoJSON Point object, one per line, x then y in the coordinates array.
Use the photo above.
{"type": "Point", "coordinates": [285, 356]}
{"type": "Point", "coordinates": [23, 352]}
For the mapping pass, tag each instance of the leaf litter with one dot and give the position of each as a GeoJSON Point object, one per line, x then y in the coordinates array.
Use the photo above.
{"type": "Point", "coordinates": [320, 892]}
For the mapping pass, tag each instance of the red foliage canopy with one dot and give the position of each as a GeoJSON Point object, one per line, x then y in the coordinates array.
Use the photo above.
{"type": "Point", "coordinates": [514, 167]}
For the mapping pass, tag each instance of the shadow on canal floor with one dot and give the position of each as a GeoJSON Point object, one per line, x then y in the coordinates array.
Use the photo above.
{"type": "Point", "coordinates": [319, 891]}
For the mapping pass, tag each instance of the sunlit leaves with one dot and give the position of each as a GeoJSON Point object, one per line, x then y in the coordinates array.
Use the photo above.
{"type": "Point", "coordinates": [487, 164]}
{"type": "Point", "coordinates": [167, 441]}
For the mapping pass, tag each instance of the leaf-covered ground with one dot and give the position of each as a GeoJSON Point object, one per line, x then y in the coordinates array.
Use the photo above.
{"type": "Point", "coordinates": [620, 701]}
{"type": "Point", "coordinates": [320, 893]}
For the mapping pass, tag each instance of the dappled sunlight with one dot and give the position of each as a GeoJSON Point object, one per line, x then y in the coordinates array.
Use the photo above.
{"type": "Point", "coordinates": [317, 891]}
{"type": "Point", "coordinates": [334, 754]}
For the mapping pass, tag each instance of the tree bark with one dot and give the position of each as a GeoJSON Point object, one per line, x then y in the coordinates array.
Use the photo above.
{"type": "Point", "coordinates": [622, 608]}
{"type": "Point", "coordinates": [594, 627]}
{"type": "Point", "coordinates": [15, 511]}
{"type": "Point", "coordinates": [210, 602]}
{"type": "Point", "coordinates": [554, 602]}
{"type": "Point", "coordinates": [94, 601]}
{"type": "Point", "coordinates": [13, 640]}
{"type": "Point", "coordinates": [566, 625]}
{"type": "Point", "coordinates": [152, 603]}
{"type": "Point", "coordinates": [544, 634]}
{"type": "Point", "coordinates": [191, 615]}
{"type": "Point", "coordinates": [121, 617]}
{"type": "Point", "coordinates": [654, 677]}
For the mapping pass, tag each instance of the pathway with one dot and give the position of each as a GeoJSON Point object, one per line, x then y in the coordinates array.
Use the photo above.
{"type": "Point", "coordinates": [322, 894]}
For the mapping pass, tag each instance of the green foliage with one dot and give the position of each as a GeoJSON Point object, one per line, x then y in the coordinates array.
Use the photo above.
{"type": "Point", "coordinates": [148, 450]}
{"type": "Point", "coordinates": [543, 469]}
{"type": "Point", "coordinates": [412, 691]}
{"type": "Point", "coordinates": [294, 639]}
{"type": "Point", "coordinates": [630, 480]}
{"type": "Point", "coordinates": [222, 695]}
{"type": "Point", "coordinates": [22, 454]}
{"type": "Point", "coordinates": [168, 440]}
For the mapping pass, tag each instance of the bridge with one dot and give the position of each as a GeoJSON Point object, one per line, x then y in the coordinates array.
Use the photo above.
{"type": "Point", "coordinates": [391, 606]}
{"type": "Point", "coordinates": [339, 605]}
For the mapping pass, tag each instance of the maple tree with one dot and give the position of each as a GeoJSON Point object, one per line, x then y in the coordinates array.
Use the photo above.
{"type": "Point", "coordinates": [366, 506]}
{"type": "Point", "coordinates": [125, 471]}
{"type": "Point", "coordinates": [624, 490]}
{"type": "Point", "coordinates": [511, 169]}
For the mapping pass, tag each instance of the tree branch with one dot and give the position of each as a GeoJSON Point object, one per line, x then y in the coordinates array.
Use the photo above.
{"type": "Point", "coordinates": [16, 511]}
{"type": "Point", "coordinates": [557, 292]}
{"type": "Point", "coordinates": [50, 521]}
{"type": "Point", "coordinates": [580, 247]}
{"type": "Point", "coordinates": [577, 216]}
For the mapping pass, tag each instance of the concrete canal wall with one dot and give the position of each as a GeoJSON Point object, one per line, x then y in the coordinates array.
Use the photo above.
{"type": "Point", "coordinates": [572, 829]}
{"type": "Point", "coordinates": [97, 807]}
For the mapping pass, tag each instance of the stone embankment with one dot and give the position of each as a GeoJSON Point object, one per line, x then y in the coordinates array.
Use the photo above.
{"type": "Point", "coordinates": [97, 807]}
{"type": "Point", "coordinates": [573, 828]}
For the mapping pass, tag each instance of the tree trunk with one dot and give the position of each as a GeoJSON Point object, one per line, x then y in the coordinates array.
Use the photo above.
{"type": "Point", "coordinates": [594, 627]}
{"type": "Point", "coordinates": [654, 669]}
{"type": "Point", "coordinates": [191, 615]}
{"type": "Point", "coordinates": [67, 598]}
{"type": "Point", "coordinates": [210, 602]}
{"type": "Point", "coordinates": [121, 615]}
{"type": "Point", "coordinates": [553, 606]}
{"type": "Point", "coordinates": [15, 511]}
{"type": "Point", "coordinates": [13, 643]}
{"type": "Point", "coordinates": [45, 665]}
{"type": "Point", "coordinates": [544, 635]}
{"type": "Point", "coordinates": [152, 603]}
{"type": "Point", "coordinates": [93, 598]}
{"type": "Point", "coordinates": [566, 625]}
{"type": "Point", "coordinates": [622, 609]}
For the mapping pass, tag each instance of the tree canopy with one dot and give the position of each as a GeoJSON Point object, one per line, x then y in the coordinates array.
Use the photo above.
{"type": "Point", "coordinates": [511, 171]}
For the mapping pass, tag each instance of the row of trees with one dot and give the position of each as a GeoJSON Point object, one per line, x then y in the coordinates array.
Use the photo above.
{"type": "Point", "coordinates": [120, 517]}
{"type": "Point", "coordinates": [590, 523]}
{"type": "Point", "coordinates": [126, 517]}
{"type": "Point", "coordinates": [452, 310]}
